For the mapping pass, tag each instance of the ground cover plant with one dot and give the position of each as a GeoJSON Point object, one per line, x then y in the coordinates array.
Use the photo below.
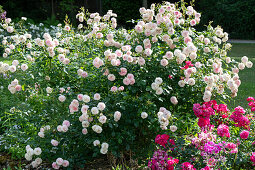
{"type": "Point", "coordinates": [80, 93]}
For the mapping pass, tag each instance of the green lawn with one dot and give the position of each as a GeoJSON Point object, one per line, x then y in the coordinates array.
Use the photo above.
{"type": "Point", "coordinates": [247, 76]}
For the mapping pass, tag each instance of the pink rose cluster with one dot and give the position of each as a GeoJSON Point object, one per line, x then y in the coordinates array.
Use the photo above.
{"type": "Point", "coordinates": [161, 160]}
{"type": "Point", "coordinates": [251, 101]}
{"type": "Point", "coordinates": [223, 130]}
{"type": "Point", "coordinates": [244, 134]}
{"type": "Point", "coordinates": [14, 86]}
{"type": "Point", "coordinates": [203, 112]}
{"type": "Point", "coordinates": [116, 89]}
{"type": "Point", "coordinates": [222, 109]}
{"type": "Point", "coordinates": [187, 166]}
{"type": "Point", "coordinates": [60, 162]}
{"type": "Point", "coordinates": [162, 139]}
{"type": "Point", "coordinates": [129, 80]}
{"type": "Point", "coordinates": [252, 158]}
{"type": "Point", "coordinates": [64, 127]}
{"type": "Point", "coordinates": [232, 147]}
{"type": "Point", "coordinates": [74, 106]}
{"type": "Point", "coordinates": [239, 118]}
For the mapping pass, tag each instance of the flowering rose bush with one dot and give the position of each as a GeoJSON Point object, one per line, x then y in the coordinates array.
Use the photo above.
{"type": "Point", "coordinates": [221, 142]}
{"type": "Point", "coordinates": [95, 89]}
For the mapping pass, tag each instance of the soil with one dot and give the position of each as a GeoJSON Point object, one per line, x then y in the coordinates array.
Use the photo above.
{"type": "Point", "coordinates": [98, 164]}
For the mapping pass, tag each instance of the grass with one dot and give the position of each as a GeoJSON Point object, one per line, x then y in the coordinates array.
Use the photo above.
{"type": "Point", "coordinates": [247, 76]}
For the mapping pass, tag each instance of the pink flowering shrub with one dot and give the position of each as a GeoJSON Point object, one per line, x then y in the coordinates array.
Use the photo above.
{"type": "Point", "coordinates": [93, 90]}
{"type": "Point", "coordinates": [218, 144]}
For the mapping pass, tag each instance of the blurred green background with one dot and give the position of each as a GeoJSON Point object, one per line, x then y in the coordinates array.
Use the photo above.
{"type": "Point", "coordinates": [237, 17]}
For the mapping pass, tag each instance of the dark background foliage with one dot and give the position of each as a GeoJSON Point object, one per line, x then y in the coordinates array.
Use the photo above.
{"type": "Point", "coordinates": [237, 17]}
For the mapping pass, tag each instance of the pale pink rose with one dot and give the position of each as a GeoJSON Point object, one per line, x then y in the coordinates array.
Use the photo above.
{"type": "Point", "coordinates": [18, 88]}
{"type": "Point", "coordinates": [101, 106]}
{"type": "Point", "coordinates": [10, 29]}
{"type": "Point", "coordinates": [114, 62]}
{"type": "Point", "coordinates": [193, 22]}
{"type": "Point", "coordinates": [238, 82]}
{"type": "Point", "coordinates": [80, 97]}
{"type": "Point", "coordinates": [132, 81]}
{"type": "Point", "coordinates": [235, 70]}
{"type": "Point", "coordinates": [84, 131]}
{"type": "Point", "coordinates": [147, 46]}
{"type": "Point", "coordinates": [130, 76]}
{"type": "Point", "coordinates": [64, 128]}
{"type": "Point", "coordinates": [12, 68]}
{"type": "Point", "coordinates": [66, 122]}
{"type": "Point", "coordinates": [55, 165]}
{"type": "Point", "coordinates": [118, 53]}
{"type": "Point", "coordinates": [111, 77]}
{"type": "Point", "coordinates": [241, 66]}
{"type": "Point", "coordinates": [114, 88]}
{"type": "Point", "coordinates": [169, 55]}
{"type": "Point", "coordinates": [8, 20]}
{"type": "Point", "coordinates": [118, 62]}
{"type": "Point", "coordinates": [139, 49]}
{"type": "Point", "coordinates": [124, 48]}
{"type": "Point", "coordinates": [126, 81]}
{"type": "Point", "coordinates": [187, 40]}
{"type": "Point", "coordinates": [165, 37]}
{"type": "Point", "coordinates": [55, 42]}
{"type": "Point", "coordinates": [12, 46]}
{"type": "Point", "coordinates": [128, 52]}
{"type": "Point", "coordinates": [125, 56]}
{"type": "Point", "coordinates": [130, 59]}
{"type": "Point", "coordinates": [141, 61]}
{"type": "Point", "coordinates": [154, 39]}
{"type": "Point", "coordinates": [49, 43]}
{"type": "Point", "coordinates": [54, 142]}
{"type": "Point", "coordinates": [198, 65]}
{"type": "Point", "coordinates": [61, 98]}
{"type": "Point", "coordinates": [176, 21]}
{"type": "Point", "coordinates": [164, 62]}
{"type": "Point", "coordinates": [59, 161]}
{"type": "Point", "coordinates": [73, 108]}
{"type": "Point", "coordinates": [106, 43]}
{"type": "Point", "coordinates": [109, 36]}
{"type": "Point", "coordinates": [66, 61]}
{"type": "Point", "coordinates": [97, 96]}
{"type": "Point", "coordinates": [59, 128]}
{"type": "Point", "coordinates": [65, 163]}
{"type": "Point", "coordinates": [84, 109]}
{"type": "Point", "coordinates": [139, 28]}
{"type": "Point", "coordinates": [174, 100]}
{"type": "Point", "coordinates": [24, 67]}
{"type": "Point", "coordinates": [185, 33]}
{"type": "Point", "coordinates": [67, 28]}
{"type": "Point", "coordinates": [207, 41]}
{"type": "Point", "coordinates": [41, 134]}
{"type": "Point", "coordinates": [29, 45]}
{"type": "Point", "coordinates": [84, 74]}
{"type": "Point", "coordinates": [99, 35]}
{"type": "Point", "coordinates": [61, 90]}
{"type": "Point", "coordinates": [61, 57]}
{"type": "Point", "coordinates": [121, 88]}
{"type": "Point", "coordinates": [106, 72]}
{"type": "Point", "coordinates": [147, 52]}
{"type": "Point", "coordinates": [15, 62]}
